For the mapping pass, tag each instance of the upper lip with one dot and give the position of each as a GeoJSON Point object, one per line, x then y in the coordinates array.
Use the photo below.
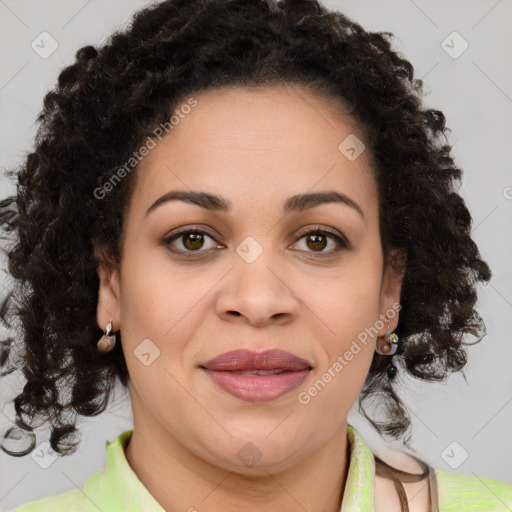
{"type": "Point", "coordinates": [241, 360]}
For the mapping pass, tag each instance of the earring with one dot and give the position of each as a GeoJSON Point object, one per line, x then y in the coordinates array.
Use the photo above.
{"type": "Point", "coordinates": [389, 350]}
{"type": "Point", "coordinates": [107, 341]}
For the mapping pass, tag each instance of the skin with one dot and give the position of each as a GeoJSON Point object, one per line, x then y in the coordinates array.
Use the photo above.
{"type": "Point", "coordinates": [387, 499]}
{"type": "Point", "coordinates": [255, 148]}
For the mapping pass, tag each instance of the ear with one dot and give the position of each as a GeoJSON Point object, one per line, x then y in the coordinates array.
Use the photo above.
{"type": "Point", "coordinates": [108, 307]}
{"type": "Point", "coordinates": [391, 289]}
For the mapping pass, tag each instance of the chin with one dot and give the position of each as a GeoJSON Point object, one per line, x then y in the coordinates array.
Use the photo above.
{"type": "Point", "coordinates": [256, 455]}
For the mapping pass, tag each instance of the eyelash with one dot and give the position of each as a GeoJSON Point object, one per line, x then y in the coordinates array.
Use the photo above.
{"type": "Point", "coordinates": [341, 241]}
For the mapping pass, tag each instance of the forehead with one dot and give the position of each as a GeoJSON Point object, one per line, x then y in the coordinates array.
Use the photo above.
{"type": "Point", "coordinates": [259, 143]}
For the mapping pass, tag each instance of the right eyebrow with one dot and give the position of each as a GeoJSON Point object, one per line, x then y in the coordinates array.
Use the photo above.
{"type": "Point", "coordinates": [296, 203]}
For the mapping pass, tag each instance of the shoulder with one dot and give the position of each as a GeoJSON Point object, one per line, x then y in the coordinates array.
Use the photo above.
{"type": "Point", "coordinates": [97, 493]}
{"type": "Point", "coordinates": [101, 491]}
{"type": "Point", "coordinates": [458, 492]}
{"type": "Point", "coordinates": [112, 489]}
{"type": "Point", "coordinates": [71, 500]}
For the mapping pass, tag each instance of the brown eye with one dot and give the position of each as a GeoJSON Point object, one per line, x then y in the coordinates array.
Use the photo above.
{"type": "Point", "coordinates": [189, 241]}
{"type": "Point", "coordinates": [316, 241]}
{"type": "Point", "coordinates": [193, 241]}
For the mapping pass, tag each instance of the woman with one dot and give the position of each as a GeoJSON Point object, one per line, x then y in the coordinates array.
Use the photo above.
{"type": "Point", "coordinates": [241, 210]}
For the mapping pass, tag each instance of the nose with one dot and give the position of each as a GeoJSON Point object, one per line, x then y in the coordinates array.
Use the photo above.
{"type": "Point", "coordinates": [259, 293]}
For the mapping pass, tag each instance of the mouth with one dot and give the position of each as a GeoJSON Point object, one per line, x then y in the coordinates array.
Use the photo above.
{"type": "Point", "coordinates": [257, 376]}
{"type": "Point", "coordinates": [260, 372]}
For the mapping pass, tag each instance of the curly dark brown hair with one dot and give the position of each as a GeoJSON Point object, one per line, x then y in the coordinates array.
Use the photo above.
{"type": "Point", "coordinates": [112, 97]}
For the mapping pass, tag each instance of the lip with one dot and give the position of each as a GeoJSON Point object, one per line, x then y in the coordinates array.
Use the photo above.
{"type": "Point", "coordinates": [244, 360]}
{"type": "Point", "coordinates": [257, 388]}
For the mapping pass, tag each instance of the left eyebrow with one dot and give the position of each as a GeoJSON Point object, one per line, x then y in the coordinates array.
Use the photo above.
{"type": "Point", "coordinates": [302, 202]}
{"type": "Point", "coordinates": [296, 203]}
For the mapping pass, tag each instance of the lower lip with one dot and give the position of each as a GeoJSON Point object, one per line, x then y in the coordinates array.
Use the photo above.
{"type": "Point", "coordinates": [257, 388]}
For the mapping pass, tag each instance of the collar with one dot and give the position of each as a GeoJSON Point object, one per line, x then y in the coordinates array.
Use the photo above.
{"type": "Point", "coordinates": [119, 487]}
{"type": "Point", "coordinates": [359, 495]}
{"type": "Point", "coordinates": [123, 486]}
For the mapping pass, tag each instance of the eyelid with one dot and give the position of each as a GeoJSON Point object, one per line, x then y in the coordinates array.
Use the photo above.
{"type": "Point", "coordinates": [175, 234]}
{"type": "Point", "coordinates": [323, 229]}
{"type": "Point", "coordinates": [340, 239]}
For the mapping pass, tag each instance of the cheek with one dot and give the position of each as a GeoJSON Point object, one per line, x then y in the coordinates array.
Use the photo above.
{"type": "Point", "coordinates": [349, 310]}
{"type": "Point", "coordinates": [153, 297]}
{"type": "Point", "coordinates": [352, 321]}
{"type": "Point", "coordinates": [162, 305]}
{"type": "Point", "coordinates": [347, 348]}
{"type": "Point", "coordinates": [350, 300]}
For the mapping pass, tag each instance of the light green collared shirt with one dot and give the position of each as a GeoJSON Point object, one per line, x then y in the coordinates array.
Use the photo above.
{"type": "Point", "coordinates": [118, 489]}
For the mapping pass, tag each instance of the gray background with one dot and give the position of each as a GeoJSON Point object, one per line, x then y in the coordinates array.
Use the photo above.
{"type": "Point", "coordinates": [451, 420]}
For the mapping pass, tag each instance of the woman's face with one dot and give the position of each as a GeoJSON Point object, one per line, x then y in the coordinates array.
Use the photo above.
{"type": "Point", "coordinates": [253, 278]}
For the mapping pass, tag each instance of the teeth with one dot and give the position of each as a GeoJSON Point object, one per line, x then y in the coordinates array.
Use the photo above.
{"type": "Point", "coordinates": [259, 372]}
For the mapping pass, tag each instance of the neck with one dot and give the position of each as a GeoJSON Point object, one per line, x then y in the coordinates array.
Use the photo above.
{"type": "Point", "coordinates": [180, 480]}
